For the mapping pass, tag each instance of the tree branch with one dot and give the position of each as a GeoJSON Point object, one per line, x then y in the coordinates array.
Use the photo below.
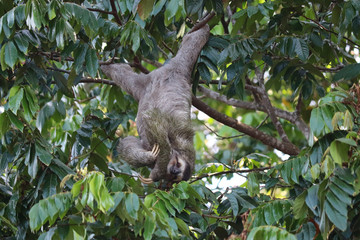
{"type": "Point", "coordinates": [99, 10]}
{"type": "Point", "coordinates": [328, 30]}
{"type": "Point", "coordinates": [114, 12]}
{"type": "Point", "coordinates": [202, 23]}
{"type": "Point", "coordinates": [285, 147]}
{"type": "Point", "coordinates": [230, 171]}
{"type": "Point", "coordinates": [289, 116]}
{"type": "Point", "coordinates": [264, 98]}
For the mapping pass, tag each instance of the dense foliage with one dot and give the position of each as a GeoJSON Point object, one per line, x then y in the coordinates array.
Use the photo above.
{"type": "Point", "coordinates": [283, 73]}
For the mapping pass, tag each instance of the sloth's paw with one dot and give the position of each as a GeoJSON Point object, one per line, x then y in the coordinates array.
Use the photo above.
{"type": "Point", "coordinates": [155, 151]}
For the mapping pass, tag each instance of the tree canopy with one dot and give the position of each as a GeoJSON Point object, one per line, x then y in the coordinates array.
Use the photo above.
{"type": "Point", "coordinates": [276, 101]}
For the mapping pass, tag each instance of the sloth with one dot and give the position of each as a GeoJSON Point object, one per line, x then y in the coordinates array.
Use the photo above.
{"type": "Point", "coordinates": [165, 142]}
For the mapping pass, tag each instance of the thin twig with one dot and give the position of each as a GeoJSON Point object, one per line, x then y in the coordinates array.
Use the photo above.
{"type": "Point", "coordinates": [206, 175]}
{"type": "Point", "coordinates": [99, 10]}
{"type": "Point", "coordinates": [217, 217]}
{"type": "Point", "coordinates": [328, 30]}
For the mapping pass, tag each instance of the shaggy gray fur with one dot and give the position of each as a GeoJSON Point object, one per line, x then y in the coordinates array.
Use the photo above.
{"type": "Point", "coordinates": [163, 117]}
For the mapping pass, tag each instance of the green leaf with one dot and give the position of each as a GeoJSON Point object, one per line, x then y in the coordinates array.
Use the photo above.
{"type": "Point", "coordinates": [253, 185]}
{"type": "Point", "coordinates": [171, 9]}
{"type": "Point", "coordinates": [14, 120]}
{"type": "Point", "coordinates": [270, 232]}
{"type": "Point", "coordinates": [149, 227]}
{"type": "Point", "coordinates": [312, 199]}
{"type": "Point", "coordinates": [43, 154]}
{"type": "Point", "coordinates": [317, 123]}
{"type": "Point", "coordinates": [2, 57]}
{"type": "Point", "coordinates": [342, 195]}
{"type": "Point", "coordinates": [35, 220]}
{"type": "Point", "coordinates": [4, 124]}
{"type": "Point", "coordinates": [132, 202]}
{"type": "Point", "coordinates": [301, 49]}
{"type": "Point", "coordinates": [95, 184]}
{"type": "Point", "coordinates": [15, 97]}
{"type": "Point", "coordinates": [299, 206]}
{"type": "Point", "coordinates": [234, 203]}
{"type": "Point", "coordinates": [31, 99]}
{"type": "Point", "coordinates": [336, 202]}
{"type": "Point", "coordinates": [339, 152]}
{"type": "Point", "coordinates": [204, 72]}
{"type": "Point", "coordinates": [79, 56]}
{"type": "Point", "coordinates": [327, 114]}
{"type": "Point", "coordinates": [348, 72]}
{"type": "Point", "coordinates": [11, 54]}
{"type": "Point", "coordinates": [184, 228]}
{"type": "Point", "coordinates": [52, 10]}
{"type": "Point", "coordinates": [336, 217]}
{"type": "Point", "coordinates": [251, 10]}
{"type": "Point", "coordinates": [349, 189]}
{"type": "Point", "coordinates": [315, 171]}
{"type": "Point", "coordinates": [27, 112]}
{"type": "Point", "coordinates": [61, 82]}
{"type": "Point", "coordinates": [99, 162]}
{"type": "Point", "coordinates": [193, 6]}
{"type": "Point", "coordinates": [145, 8]}
{"type": "Point", "coordinates": [92, 63]}
{"type": "Point", "coordinates": [11, 18]}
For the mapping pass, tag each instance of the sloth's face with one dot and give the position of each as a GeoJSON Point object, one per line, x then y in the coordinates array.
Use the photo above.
{"type": "Point", "coordinates": [178, 169]}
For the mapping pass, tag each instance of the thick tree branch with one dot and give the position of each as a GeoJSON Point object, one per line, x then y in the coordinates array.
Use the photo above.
{"type": "Point", "coordinates": [285, 147]}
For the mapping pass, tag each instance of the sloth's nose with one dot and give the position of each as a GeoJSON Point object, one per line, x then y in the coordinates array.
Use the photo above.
{"type": "Point", "coordinates": [174, 170]}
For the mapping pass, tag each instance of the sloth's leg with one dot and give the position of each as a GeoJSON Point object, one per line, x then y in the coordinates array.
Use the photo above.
{"type": "Point", "coordinates": [132, 151]}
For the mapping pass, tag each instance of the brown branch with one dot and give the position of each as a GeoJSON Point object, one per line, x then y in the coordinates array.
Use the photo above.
{"type": "Point", "coordinates": [229, 172]}
{"type": "Point", "coordinates": [217, 217]}
{"type": "Point", "coordinates": [114, 12]}
{"type": "Point", "coordinates": [202, 23]}
{"type": "Point", "coordinates": [334, 69]}
{"type": "Point", "coordinates": [168, 48]}
{"type": "Point", "coordinates": [266, 103]}
{"type": "Point", "coordinates": [137, 64]}
{"type": "Point", "coordinates": [262, 98]}
{"type": "Point", "coordinates": [245, 105]}
{"type": "Point", "coordinates": [97, 80]}
{"type": "Point", "coordinates": [285, 147]}
{"type": "Point", "coordinates": [225, 24]}
{"type": "Point", "coordinates": [154, 63]}
{"type": "Point", "coordinates": [99, 10]}
{"type": "Point", "coordinates": [330, 31]}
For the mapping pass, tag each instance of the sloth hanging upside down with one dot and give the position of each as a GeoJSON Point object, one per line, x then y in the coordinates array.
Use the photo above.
{"type": "Point", "coordinates": [165, 141]}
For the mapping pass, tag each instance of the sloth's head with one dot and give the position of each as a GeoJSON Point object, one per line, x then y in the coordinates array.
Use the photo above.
{"type": "Point", "coordinates": [178, 168]}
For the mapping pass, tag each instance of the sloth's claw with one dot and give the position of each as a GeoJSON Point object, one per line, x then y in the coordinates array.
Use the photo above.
{"type": "Point", "coordinates": [156, 150]}
{"type": "Point", "coordinates": [145, 180]}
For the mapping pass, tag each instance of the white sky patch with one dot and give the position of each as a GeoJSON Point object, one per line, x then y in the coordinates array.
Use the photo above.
{"type": "Point", "coordinates": [202, 116]}
{"type": "Point", "coordinates": [211, 143]}
{"type": "Point", "coordinates": [224, 183]}
{"type": "Point", "coordinates": [281, 155]}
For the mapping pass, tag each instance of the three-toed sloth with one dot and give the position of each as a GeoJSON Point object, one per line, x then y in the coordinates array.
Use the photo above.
{"type": "Point", "coordinates": [165, 141]}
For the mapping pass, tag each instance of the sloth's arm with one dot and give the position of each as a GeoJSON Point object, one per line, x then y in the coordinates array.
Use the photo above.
{"type": "Point", "coordinates": [132, 151]}
{"type": "Point", "coordinates": [123, 76]}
